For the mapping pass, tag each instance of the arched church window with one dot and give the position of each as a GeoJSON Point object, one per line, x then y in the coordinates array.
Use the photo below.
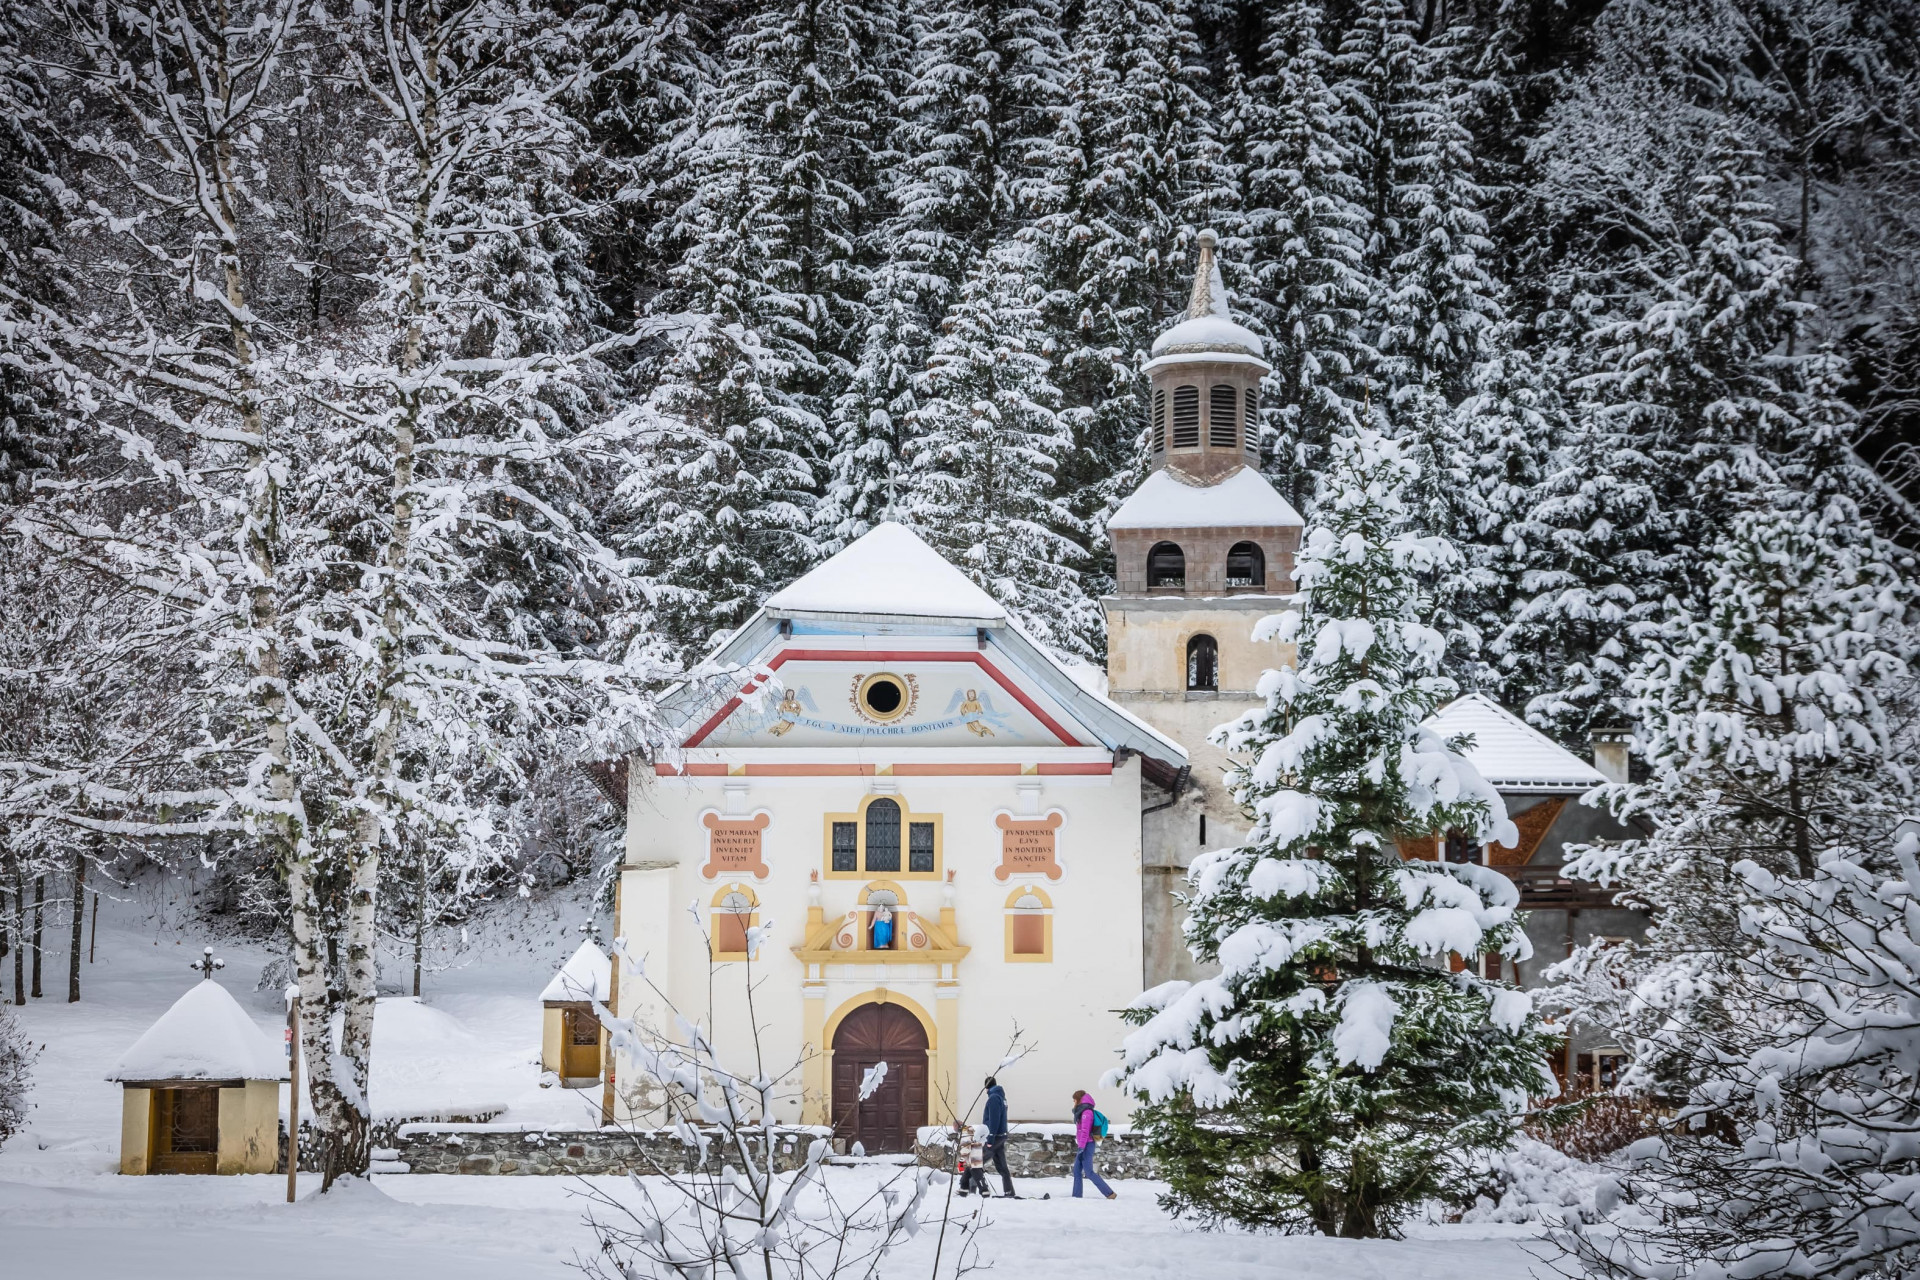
{"type": "Point", "coordinates": [1157, 422]}
{"type": "Point", "coordinates": [1246, 565]}
{"type": "Point", "coordinates": [1186, 417]}
{"type": "Point", "coordinates": [1166, 565]}
{"type": "Point", "coordinates": [1203, 664]}
{"type": "Point", "coordinates": [883, 836]}
{"type": "Point", "coordinates": [1223, 412]}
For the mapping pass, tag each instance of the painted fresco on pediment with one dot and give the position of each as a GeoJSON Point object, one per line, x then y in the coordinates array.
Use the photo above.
{"type": "Point", "coordinates": [948, 704]}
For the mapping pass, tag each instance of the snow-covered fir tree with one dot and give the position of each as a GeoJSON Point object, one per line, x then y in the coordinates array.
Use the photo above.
{"type": "Point", "coordinates": [985, 445]}
{"type": "Point", "coordinates": [866, 472]}
{"type": "Point", "coordinates": [1773, 717]}
{"type": "Point", "coordinates": [1298, 1089]}
{"type": "Point", "coordinates": [1303, 226]}
{"type": "Point", "coordinates": [1129, 141]}
{"type": "Point", "coordinates": [976, 137]}
{"type": "Point", "coordinates": [720, 510]}
{"type": "Point", "coordinates": [1682, 420]}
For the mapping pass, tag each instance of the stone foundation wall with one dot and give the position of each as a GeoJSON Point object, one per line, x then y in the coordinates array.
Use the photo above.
{"type": "Point", "coordinates": [480, 1149]}
{"type": "Point", "coordinates": [485, 1149]}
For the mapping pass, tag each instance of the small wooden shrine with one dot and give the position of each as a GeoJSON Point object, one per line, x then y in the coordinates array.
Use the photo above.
{"type": "Point", "coordinates": [570, 1040]}
{"type": "Point", "coordinates": [201, 1090]}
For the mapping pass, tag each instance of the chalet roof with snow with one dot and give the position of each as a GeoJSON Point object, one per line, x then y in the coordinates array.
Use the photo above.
{"type": "Point", "coordinates": [1244, 499]}
{"type": "Point", "coordinates": [1510, 753]}
{"type": "Point", "coordinates": [1208, 333]}
{"type": "Point", "coordinates": [588, 975]}
{"type": "Point", "coordinates": [971, 679]}
{"type": "Point", "coordinates": [206, 1035]}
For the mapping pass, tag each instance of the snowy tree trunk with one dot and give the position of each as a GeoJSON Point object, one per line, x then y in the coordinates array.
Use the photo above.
{"type": "Point", "coordinates": [39, 919]}
{"type": "Point", "coordinates": [79, 923]}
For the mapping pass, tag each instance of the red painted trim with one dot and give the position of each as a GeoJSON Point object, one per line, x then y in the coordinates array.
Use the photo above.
{"type": "Point", "coordinates": [691, 771]}
{"type": "Point", "coordinates": [885, 655]}
{"type": "Point", "coordinates": [956, 769]}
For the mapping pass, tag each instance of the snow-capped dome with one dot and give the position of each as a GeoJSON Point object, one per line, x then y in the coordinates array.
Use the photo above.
{"type": "Point", "coordinates": [206, 1035]}
{"type": "Point", "coordinates": [1209, 330]}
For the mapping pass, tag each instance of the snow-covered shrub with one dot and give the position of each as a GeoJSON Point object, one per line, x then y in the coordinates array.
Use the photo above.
{"type": "Point", "coordinates": [16, 1056]}
{"type": "Point", "coordinates": [1797, 1152]}
{"type": "Point", "coordinates": [1597, 1125]}
{"type": "Point", "coordinates": [1298, 1088]}
{"type": "Point", "coordinates": [1533, 1182]}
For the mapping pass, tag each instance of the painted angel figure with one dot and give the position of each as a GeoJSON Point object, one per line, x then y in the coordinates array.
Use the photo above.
{"type": "Point", "coordinates": [974, 716]}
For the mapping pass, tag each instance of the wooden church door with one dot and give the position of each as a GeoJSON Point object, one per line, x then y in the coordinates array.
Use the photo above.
{"type": "Point", "coordinates": [886, 1120]}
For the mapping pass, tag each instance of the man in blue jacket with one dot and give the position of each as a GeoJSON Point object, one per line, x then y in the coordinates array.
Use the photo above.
{"type": "Point", "coordinates": [996, 1121]}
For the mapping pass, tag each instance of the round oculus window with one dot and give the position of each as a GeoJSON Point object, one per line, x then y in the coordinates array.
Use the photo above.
{"type": "Point", "coordinates": [883, 696]}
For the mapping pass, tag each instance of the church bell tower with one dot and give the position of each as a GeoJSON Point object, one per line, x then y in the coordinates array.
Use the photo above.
{"type": "Point", "coordinates": [1203, 550]}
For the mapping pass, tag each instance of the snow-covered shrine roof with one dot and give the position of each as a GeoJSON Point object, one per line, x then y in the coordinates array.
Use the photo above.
{"type": "Point", "coordinates": [890, 585]}
{"type": "Point", "coordinates": [206, 1035]}
{"type": "Point", "coordinates": [588, 975]}
{"type": "Point", "coordinates": [1510, 753]}
{"type": "Point", "coordinates": [889, 570]}
{"type": "Point", "coordinates": [1164, 501]}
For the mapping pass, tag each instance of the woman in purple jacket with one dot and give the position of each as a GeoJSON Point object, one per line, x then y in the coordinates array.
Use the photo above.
{"type": "Point", "coordinates": [1083, 1135]}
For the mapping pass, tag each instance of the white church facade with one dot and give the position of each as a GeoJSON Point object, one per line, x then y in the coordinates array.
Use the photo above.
{"type": "Point", "coordinates": [936, 822]}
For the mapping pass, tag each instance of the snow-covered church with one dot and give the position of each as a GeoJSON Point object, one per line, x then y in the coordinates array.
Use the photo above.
{"type": "Point", "coordinates": [946, 839]}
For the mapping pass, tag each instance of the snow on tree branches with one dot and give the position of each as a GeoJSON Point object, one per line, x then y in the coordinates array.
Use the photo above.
{"type": "Point", "coordinates": [1317, 1042]}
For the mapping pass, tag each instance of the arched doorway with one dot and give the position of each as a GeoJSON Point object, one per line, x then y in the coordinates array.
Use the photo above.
{"type": "Point", "coordinates": [885, 1121]}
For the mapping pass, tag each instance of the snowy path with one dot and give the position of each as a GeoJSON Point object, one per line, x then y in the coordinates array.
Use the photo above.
{"type": "Point", "coordinates": [424, 1228]}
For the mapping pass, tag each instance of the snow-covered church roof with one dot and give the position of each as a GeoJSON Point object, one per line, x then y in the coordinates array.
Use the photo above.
{"type": "Point", "coordinates": [1510, 753]}
{"type": "Point", "coordinates": [1209, 331]}
{"type": "Point", "coordinates": [588, 975]}
{"type": "Point", "coordinates": [890, 570]}
{"type": "Point", "coordinates": [206, 1035]}
{"type": "Point", "coordinates": [889, 584]}
{"type": "Point", "coordinates": [1165, 501]}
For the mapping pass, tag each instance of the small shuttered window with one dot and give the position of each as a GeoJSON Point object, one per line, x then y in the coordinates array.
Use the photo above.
{"type": "Point", "coordinates": [1186, 417]}
{"type": "Point", "coordinates": [1222, 415]}
{"type": "Point", "coordinates": [1157, 420]}
{"type": "Point", "coordinates": [1252, 437]}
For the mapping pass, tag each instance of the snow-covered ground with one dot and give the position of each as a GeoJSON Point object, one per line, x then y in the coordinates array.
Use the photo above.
{"type": "Point", "coordinates": [472, 1046]}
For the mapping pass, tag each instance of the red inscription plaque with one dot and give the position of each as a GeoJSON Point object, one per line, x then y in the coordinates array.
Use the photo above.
{"type": "Point", "coordinates": [733, 847]}
{"type": "Point", "coordinates": [1028, 846]}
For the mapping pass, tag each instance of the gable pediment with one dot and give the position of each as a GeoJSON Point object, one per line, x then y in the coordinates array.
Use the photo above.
{"type": "Point", "coordinates": [813, 697]}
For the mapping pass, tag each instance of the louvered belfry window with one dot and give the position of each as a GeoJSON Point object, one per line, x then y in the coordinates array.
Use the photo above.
{"type": "Point", "coordinates": [1252, 438]}
{"type": "Point", "coordinates": [1186, 417]}
{"type": "Point", "coordinates": [1222, 415]}
{"type": "Point", "coordinates": [1157, 425]}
